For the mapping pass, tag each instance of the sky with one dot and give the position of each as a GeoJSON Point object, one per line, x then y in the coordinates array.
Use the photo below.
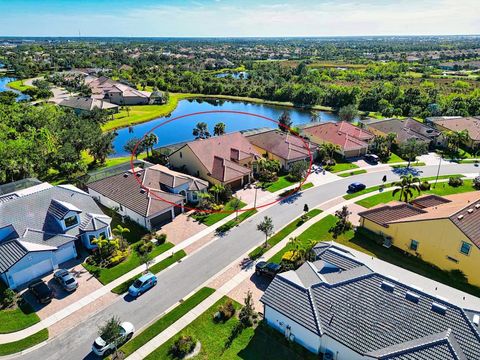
{"type": "Point", "coordinates": [229, 18]}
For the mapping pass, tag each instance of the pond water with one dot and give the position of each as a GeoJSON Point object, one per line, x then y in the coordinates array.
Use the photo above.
{"type": "Point", "coordinates": [181, 130]}
{"type": "Point", "coordinates": [235, 75]}
{"type": "Point", "coordinates": [4, 80]}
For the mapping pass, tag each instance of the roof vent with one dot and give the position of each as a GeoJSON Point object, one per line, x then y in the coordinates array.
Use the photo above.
{"type": "Point", "coordinates": [138, 174]}
{"type": "Point", "coordinates": [476, 319]}
{"type": "Point", "coordinates": [412, 297]}
{"type": "Point", "coordinates": [439, 309]}
{"type": "Point", "coordinates": [460, 217]}
{"type": "Point", "coordinates": [388, 286]}
{"type": "Point", "coordinates": [142, 191]}
{"type": "Point", "coordinates": [125, 175]}
{"type": "Point", "coordinates": [477, 206]}
{"type": "Point", "coordinates": [470, 211]}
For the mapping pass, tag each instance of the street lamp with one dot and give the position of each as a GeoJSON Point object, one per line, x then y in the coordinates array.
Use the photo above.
{"type": "Point", "coordinates": [438, 172]}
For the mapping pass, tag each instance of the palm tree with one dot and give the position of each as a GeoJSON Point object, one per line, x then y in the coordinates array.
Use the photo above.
{"type": "Point", "coordinates": [236, 204]}
{"type": "Point", "coordinates": [406, 186]}
{"type": "Point", "coordinates": [266, 226]}
{"type": "Point", "coordinates": [201, 131]}
{"type": "Point", "coordinates": [120, 231]}
{"type": "Point", "coordinates": [328, 149]}
{"type": "Point", "coordinates": [219, 129]}
{"type": "Point", "coordinates": [150, 141]}
{"type": "Point", "coordinates": [216, 190]}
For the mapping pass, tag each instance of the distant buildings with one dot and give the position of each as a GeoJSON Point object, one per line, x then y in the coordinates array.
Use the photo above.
{"type": "Point", "coordinates": [457, 123]}
{"type": "Point", "coordinates": [86, 104]}
{"type": "Point", "coordinates": [338, 306]}
{"type": "Point", "coordinates": [116, 92]}
{"type": "Point", "coordinates": [444, 231]}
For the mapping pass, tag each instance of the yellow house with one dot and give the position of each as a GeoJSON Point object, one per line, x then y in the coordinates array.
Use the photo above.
{"type": "Point", "coordinates": [444, 231]}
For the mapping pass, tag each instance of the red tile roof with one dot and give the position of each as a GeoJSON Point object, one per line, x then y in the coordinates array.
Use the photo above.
{"type": "Point", "coordinates": [343, 134]}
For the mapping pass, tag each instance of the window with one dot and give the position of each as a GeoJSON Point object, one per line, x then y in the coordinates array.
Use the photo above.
{"type": "Point", "coordinates": [90, 238]}
{"type": "Point", "coordinates": [465, 248]}
{"type": "Point", "coordinates": [414, 245]}
{"type": "Point", "coordinates": [71, 221]}
{"type": "Point", "coordinates": [102, 235]}
{"type": "Point", "coordinates": [194, 196]}
{"type": "Point", "coordinates": [181, 155]}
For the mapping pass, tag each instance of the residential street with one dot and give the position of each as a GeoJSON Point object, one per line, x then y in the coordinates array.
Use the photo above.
{"type": "Point", "coordinates": [198, 268]}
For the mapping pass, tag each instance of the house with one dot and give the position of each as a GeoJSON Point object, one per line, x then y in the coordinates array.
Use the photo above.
{"type": "Point", "coordinates": [86, 104]}
{"type": "Point", "coordinates": [281, 146]}
{"type": "Point", "coordinates": [444, 231]}
{"type": "Point", "coordinates": [352, 140]}
{"type": "Point", "coordinates": [41, 227]}
{"type": "Point", "coordinates": [338, 306]}
{"type": "Point", "coordinates": [116, 92]}
{"type": "Point", "coordinates": [151, 197]}
{"type": "Point", "coordinates": [405, 130]}
{"type": "Point", "coordinates": [457, 123]}
{"type": "Point", "coordinates": [226, 159]}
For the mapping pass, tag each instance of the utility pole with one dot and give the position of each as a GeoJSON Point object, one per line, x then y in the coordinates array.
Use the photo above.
{"type": "Point", "coordinates": [438, 171]}
{"type": "Point", "coordinates": [255, 201]}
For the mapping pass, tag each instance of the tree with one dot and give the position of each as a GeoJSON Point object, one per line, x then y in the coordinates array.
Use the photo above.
{"type": "Point", "coordinates": [219, 129]}
{"type": "Point", "coordinates": [412, 148]}
{"type": "Point", "coordinates": [236, 204]}
{"type": "Point", "coordinates": [110, 330]}
{"type": "Point", "coordinates": [348, 113]}
{"type": "Point", "coordinates": [343, 224]}
{"type": "Point", "coordinates": [285, 121]}
{"type": "Point", "coordinates": [455, 139]}
{"type": "Point", "coordinates": [380, 145]}
{"type": "Point", "coordinates": [266, 227]}
{"type": "Point", "coordinates": [201, 131]}
{"type": "Point", "coordinates": [248, 310]}
{"type": "Point", "coordinates": [406, 186]}
{"type": "Point", "coordinates": [146, 259]}
{"type": "Point", "coordinates": [298, 170]}
{"type": "Point", "coordinates": [120, 231]}
{"type": "Point", "coordinates": [327, 151]}
{"type": "Point", "coordinates": [149, 141]}
{"type": "Point", "coordinates": [131, 146]}
{"type": "Point", "coordinates": [315, 116]}
{"type": "Point", "coordinates": [216, 190]}
{"type": "Point", "coordinates": [102, 147]}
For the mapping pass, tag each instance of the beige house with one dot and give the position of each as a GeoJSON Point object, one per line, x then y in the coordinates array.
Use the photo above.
{"type": "Point", "coordinates": [226, 159]}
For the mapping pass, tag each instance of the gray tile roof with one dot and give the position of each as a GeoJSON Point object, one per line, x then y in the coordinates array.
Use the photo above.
{"type": "Point", "coordinates": [10, 252]}
{"type": "Point", "coordinates": [43, 238]}
{"type": "Point", "coordinates": [95, 222]}
{"type": "Point", "coordinates": [371, 314]}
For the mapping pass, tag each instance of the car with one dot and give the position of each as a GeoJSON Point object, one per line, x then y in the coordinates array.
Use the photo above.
{"type": "Point", "coordinates": [371, 158]}
{"type": "Point", "coordinates": [65, 279]}
{"type": "Point", "coordinates": [100, 346]}
{"type": "Point", "coordinates": [41, 291]}
{"type": "Point", "coordinates": [356, 186]}
{"type": "Point", "coordinates": [142, 284]}
{"type": "Point", "coordinates": [267, 269]}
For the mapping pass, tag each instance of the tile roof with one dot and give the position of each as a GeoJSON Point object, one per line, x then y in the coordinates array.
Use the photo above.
{"type": "Point", "coordinates": [158, 175]}
{"type": "Point", "coordinates": [125, 190]}
{"type": "Point", "coordinates": [383, 215]}
{"type": "Point", "coordinates": [372, 314]}
{"type": "Point", "coordinates": [405, 129]}
{"type": "Point", "coordinates": [94, 222]}
{"type": "Point", "coordinates": [426, 201]}
{"type": "Point", "coordinates": [471, 124]}
{"type": "Point", "coordinates": [283, 145]}
{"type": "Point", "coordinates": [343, 134]}
{"type": "Point", "coordinates": [215, 154]}
{"type": "Point", "coordinates": [87, 103]}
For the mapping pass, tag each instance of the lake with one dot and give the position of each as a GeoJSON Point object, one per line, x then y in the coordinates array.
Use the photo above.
{"type": "Point", "coordinates": [181, 130]}
{"type": "Point", "coordinates": [235, 75]}
{"type": "Point", "coordinates": [4, 80]}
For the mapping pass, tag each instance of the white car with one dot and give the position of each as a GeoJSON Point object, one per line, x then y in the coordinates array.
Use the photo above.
{"type": "Point", "coordinates": [101, 348]}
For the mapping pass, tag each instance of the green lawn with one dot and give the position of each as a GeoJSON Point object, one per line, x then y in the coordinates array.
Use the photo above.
{"type": "Point", "coordinates": [211, 218]}
{"type": "Point", "coordinates": [19, 85]}
{"type": "Point", "coordinates": [134, 260]}
{"type": "Point", "coordinates": [441, 189]}
{"type": "Point", "coordinates": [306, 186]}
{"type": "Point", "coordinates": [259, 343]}
{"type": "Point", "coordinates": [20, 345]}
{"type": "Point", "coordinates": [352, 173]}
{"type": "Point", "coordinates": [371, 244]}
{"type": "Point", "coordinates": [165, 321]}
{"type": "Point", "coordinates": [155, 269]}
{"type": "Point", "coordinates": [282, 234]}
{"type": "Point", "coordinates": [342, 166]}
{"type": "Point", "coordinates": [280, 184]}
{"type": "Point", "coordinates": [394, 158]}
{"type": "Point", "coordinates": [17, 319]}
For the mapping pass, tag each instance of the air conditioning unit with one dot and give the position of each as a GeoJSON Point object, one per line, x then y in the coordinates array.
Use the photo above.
{"type": "Point", "coordinates": [329, 355]}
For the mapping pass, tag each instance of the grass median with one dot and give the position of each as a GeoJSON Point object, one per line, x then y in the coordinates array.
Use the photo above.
{"type": "Point", "coordinates": [20, 345]}
{"type": "Point", "coordinates": [165, 321]}
{"type": "Point", "coordinates": [155, 269]}
{"type": "Point", "coordinates": [351, 173]}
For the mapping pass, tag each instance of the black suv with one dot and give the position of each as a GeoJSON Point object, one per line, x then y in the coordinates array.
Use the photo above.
{"type": "Point", "coordinates": [267, 269]}
{"type": "Point", "coordinates": [41, 291]}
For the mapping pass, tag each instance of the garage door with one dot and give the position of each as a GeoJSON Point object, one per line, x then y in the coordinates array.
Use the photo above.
{"type": "Point", "coordinates": [32, 272]}
{"type": "Point", "coordinates": [161, 219]}
{"type": "Point", "coordinates": [237, 184]}
{"type": "Point", "coordinates": [65, 253]}
{"type": "Point", "coordinates": [177, 210]}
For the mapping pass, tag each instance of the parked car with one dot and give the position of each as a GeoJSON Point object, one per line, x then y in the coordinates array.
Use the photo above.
{"type": "Point", "coordinates": [66, 279]}
{"type": "Point", "coordinates": [41, 291]}
{"type": "Point", "coordinates": [142, 284]}
{"type": "Point", "coordinates": [267, 269]}
{"type": "Point", "coordinates": [371, 158]}
{"type": "Point", "coordinates": [100, 346]}
{"type": "Point", "coordinates": [356, 186]}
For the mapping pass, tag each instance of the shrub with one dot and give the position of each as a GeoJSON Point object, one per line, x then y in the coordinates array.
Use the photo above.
{"type": "Point", "coordinates": [226, 310]}
{"type": "Point", "coordinates": [9, 297]}
{"type": "Point", "coordinates": [183, 346]}
{"type": "Point", "coordinates": [117, 258]}
{"type": "Point", "coordinates": [455, 181]}
{"type": "Point", "coordinates": [161, 238]}
{"type": "Point", "coordinates": [145, 248]}
{"type": "Point", "coordinates": [425, 185]}
{"type": "Point", "coordinates": [476, 183]}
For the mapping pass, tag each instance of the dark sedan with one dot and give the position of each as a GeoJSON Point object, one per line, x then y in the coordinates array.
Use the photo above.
{"type": "Point", "coordinates": [41, 291]}
{"type": "Point", "coordinates": [267, 269]}
{"type": "Point", "coordinates": [356, 186]}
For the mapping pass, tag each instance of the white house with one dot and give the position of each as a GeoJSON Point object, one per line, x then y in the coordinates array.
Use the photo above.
{"type": "Point", "coordinates": [41, 227]}
{"type": "Point", "coordinates": [339, 307]}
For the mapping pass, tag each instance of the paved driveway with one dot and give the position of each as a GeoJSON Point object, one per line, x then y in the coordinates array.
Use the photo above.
{"type": "Point", "coordinates": [181, 228]}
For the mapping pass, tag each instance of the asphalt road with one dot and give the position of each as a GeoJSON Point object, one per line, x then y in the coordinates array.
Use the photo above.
{"type": "Point", "coordinates": [175, 283]}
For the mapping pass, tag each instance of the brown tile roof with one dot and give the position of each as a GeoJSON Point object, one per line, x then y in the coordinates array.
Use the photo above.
{"type": "Point", "coordinates": [283, 145]}
{"type": "Point", "coordinates": [405, 130]}
{"type": "Point", "coordinates": [158, 175]}
{"type": "Point", "coordinates": [216, 155]}
{"type": "Point", "coordinates": [344, 134]}
{"type": "Point", "coordinates": [125, 190]}
{"type": "Point", "coordinates": [426, 201]}
{"type": "Point", "coordinates": [471, 124]}
{"type": "Point", "coordinates": [383, 215]}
